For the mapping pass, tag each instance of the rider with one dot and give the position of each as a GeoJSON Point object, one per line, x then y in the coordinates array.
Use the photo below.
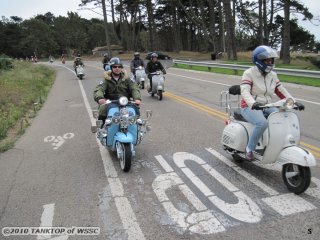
{"type": "Point", "coordinates": [105, 60]}
{"type": "Point", "coordinates": [115, 85]}
{"type": "Point", "coordinates": [77, 62]}
{"type": "Point", "coordinates": [136, 62]}
{"type": "Point", "coordinates": [258, 84]}
{"type": "Point", "coordinates": [153, 66]}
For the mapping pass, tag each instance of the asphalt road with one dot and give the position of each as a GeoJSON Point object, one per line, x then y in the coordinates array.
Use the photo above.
{"type": "Point", "coordinates": [181, 186]}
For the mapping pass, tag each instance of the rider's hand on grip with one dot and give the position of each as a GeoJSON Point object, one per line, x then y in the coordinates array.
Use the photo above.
{"type": "Point", "coordinates": [102, 101]}
{"type": "Point", "coordinates": [257, 106]}
{"type": "Point", "coordinates": [300, 106]}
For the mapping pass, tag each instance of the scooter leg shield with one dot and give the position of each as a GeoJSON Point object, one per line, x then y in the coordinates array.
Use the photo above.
{"type": "Point", "coordinates": [297, 155]}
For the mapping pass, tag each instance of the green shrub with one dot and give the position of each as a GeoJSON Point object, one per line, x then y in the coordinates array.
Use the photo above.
{"type": "Point", "coordinates": [5, 62]}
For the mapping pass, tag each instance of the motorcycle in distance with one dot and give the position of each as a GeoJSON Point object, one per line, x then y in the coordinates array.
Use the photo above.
{"type": "Point", "coordinates": [140, 76]}
{"type": "Point", "coordinates": [80, 71]}
{"type": "Point", "coordinates": [123, 130]}
{"type": "Point", "coordinates": [279, 143]}
{"type": "Point", "coordinates": [157, 84]}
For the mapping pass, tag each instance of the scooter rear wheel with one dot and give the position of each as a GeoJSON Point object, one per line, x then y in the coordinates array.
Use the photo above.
{"type": "Point", "coordinates": [125, 159]}
{"type": "Point", "coordinates": [297, 178]}
{"type": "Point", "coordinates": [80, 77]}
{"type": "Point", "coordinates": [142, 85]}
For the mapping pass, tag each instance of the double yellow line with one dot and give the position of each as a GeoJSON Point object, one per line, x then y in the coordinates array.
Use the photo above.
{"type": "Point", "coordinates": [313, 149]}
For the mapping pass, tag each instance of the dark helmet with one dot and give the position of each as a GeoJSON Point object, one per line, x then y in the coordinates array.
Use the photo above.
{"type": "Point", "coordinates": [78, 55]}
{"type": "Point", "coordinates": [154, 55]}
{"type": "Point", "coordinates": [261, 53]}
{"type": "Point", "coordinates": [136, 54]}
{"type": "Point", "coordinates": [115, 61]}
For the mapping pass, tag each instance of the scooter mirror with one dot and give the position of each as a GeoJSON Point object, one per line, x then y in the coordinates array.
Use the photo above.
{"type": "Point", "coordinates": [289, 103]}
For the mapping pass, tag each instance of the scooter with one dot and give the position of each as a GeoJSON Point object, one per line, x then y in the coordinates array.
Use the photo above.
{"type": "Point", "coordinates": [278, 144]}
{"type": "Point", "coordinates": [63, 61]}
{"type": "Point", "coordinates": [80, 72]}
{"type": "Point", "coordinates": [157, 84]}
{"type": "Point", "coordinates": [106, 67]}
{"type": "Point", "coordinates": [140, 76]}
{"type": "Point", "coordinates": [122, 131]}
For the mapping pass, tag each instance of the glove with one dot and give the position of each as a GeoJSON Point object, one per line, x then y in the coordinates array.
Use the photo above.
{"type": "Point", "coordinates": [300, 106]}
{"type": "Point", "coordinates": [257, 106]}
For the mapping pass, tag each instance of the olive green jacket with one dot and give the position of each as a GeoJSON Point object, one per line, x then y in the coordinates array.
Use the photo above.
{"type": "Point", "coordinates": [112, 89]}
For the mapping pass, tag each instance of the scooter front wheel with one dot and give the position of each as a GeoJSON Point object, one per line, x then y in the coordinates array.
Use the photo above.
{"type": "Point", "coordinates": [125, 158]}
{"type": "Point", "coordinates": [297, 178]}
{"type": "Point", "coordinates": [159, 95]}
{"type": "Point", "coordinates": [142, 85]}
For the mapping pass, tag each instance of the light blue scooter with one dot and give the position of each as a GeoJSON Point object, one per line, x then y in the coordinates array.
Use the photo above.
{"type": "Point", "coordinates": [122, 130]}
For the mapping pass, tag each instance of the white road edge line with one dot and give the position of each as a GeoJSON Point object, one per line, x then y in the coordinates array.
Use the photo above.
{"type": "Point", "coordinates": [201, 80]}
{"type": "Point", "coordinates": [125, 210]}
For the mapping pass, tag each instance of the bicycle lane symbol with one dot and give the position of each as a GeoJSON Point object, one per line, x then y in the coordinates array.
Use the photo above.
{"type": "Point", "coordinates": [57, 142]}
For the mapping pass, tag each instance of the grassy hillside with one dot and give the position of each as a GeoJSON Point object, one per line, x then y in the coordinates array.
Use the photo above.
{"type": "Point", "coordinates": [23, 90]}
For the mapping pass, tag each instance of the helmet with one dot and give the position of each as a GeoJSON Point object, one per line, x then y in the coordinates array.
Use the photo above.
{"type": "Point", "coordinates": [115, 61]}
{"type": "Point", "coordinates": [78, 55]}
{"type": "Point", "coordinates": [154, 55]}
{"type": "Point", "coordinates": [261, 53]}
{"type": "Point", "coordinates": [136, 54]}
{"type": "Point", "coordinates": [106, 55]}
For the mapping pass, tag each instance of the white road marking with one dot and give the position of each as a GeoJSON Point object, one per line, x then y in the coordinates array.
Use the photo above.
{"type": "Point", "coordinates": [46, 219]}
{"type": "Point", "coordinates": [228, 85]}
{"type": "Point", "coordinates": [288, 204]}
{"type": "Point", "coordinates": [202, 221]}
{"type": "Point", "coordinates": [244, 210]}
{"type": "Point", "coordinates": [164, 164]}
{"type": "Point", "coordinates": [58, 141]}
{"type": "Point", "coordinates": [242, 172]}
{"type": "Point", "coordinates": [124, 208]}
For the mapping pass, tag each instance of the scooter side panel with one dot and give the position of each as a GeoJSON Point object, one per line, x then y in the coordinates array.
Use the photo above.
{"type": "Point", "coordinates": [157, 81]}
{"type": "Point", "coordinates": [235, 136]}
{"type": "Point", "coordinates": [298, 156]}
{"type": "Point", "coordinates": [113, 129]}
{"type": "Point", "coordinates": [284, 131]}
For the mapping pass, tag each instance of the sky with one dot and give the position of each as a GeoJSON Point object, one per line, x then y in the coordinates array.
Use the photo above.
{"type": "Point", "coordinates": [27, 9]}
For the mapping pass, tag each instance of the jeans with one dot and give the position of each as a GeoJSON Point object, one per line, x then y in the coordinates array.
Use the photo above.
{"type": "Point", "coordinates": [256, 118]}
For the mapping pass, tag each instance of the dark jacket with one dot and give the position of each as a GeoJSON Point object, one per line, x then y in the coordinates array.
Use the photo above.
{"type": "Point", "coordinates": [112, 89]}
{"type": "Point", "coordinates": [136, 63]}
{"type": "Point", "coordinates": [152, 67]}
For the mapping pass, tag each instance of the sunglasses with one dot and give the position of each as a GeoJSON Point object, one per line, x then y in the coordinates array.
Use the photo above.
{"type": "Point", "coordinates": [117, 67]}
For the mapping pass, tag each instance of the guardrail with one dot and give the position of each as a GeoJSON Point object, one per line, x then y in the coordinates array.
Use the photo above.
{"type": "Point", "coordinates": [236, 67]}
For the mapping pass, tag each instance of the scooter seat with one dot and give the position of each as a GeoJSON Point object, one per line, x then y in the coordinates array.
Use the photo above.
{"type": "Point", "coordinates": [237, 115]}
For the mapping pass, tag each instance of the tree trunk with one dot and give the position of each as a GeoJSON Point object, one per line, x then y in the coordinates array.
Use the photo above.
{"type": "Point", "coordinates": [105, 20]}
{"type": "Point", "coordinates": [151, 25]}
{"type": "Point", "coordinates": [286, 33]}
{"type": "Point", "coordinates": [260, 27]}
{"type": "Point", "coordinates": [221, 45]}
{"type": "Point", "coordinates": [231, 41]}
{"type": "Point", "coordinates": [212, 26]}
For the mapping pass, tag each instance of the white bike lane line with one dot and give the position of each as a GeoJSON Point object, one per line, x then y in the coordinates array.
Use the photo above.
{"type": "Point", "coordinates": [126, 213]}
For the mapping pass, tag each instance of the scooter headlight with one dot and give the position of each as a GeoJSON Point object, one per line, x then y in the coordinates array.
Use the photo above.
{"type": "Point", "coordinates": [123, 101]}
{"type": "Point", "coordinates": [289, 103]}
{"type": "Point", "coordinates": [116, 120]}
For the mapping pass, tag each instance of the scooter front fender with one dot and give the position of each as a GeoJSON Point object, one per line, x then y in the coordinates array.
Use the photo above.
{"type": "Point", "coordinates": [123, 138]}
{"type": "Point", "coordinates": [297, 155]}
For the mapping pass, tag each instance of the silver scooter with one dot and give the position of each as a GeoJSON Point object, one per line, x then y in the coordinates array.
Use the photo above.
{"type": "Point", "coordinates": [157, 84]}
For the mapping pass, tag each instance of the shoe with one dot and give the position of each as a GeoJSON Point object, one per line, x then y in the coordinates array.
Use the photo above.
{"type": "Point", "coordinates": [249, 156]}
